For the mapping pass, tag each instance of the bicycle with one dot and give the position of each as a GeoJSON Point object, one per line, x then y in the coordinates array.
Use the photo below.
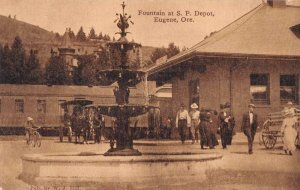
{"type": "Point", "coordinates": [33, 137]}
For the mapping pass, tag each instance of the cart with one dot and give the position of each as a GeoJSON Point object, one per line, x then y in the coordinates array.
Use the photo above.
{"type": "Point", "coordinates": [271, 132]}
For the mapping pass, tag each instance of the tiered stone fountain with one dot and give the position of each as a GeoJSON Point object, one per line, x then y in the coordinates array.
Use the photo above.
{"type": "Point", "coordinates": [125, 78]}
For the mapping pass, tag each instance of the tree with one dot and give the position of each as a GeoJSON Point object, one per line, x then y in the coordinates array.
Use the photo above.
{"type": "Point", "coordinates": [18, 66]}
{"type": "Point", "coordinates": [89, 74]}
{"type": "Point", "coordinates": [103, 61]}
{"type": "Point", "coordinates": [1, 64]}
{"type": "Point", "coordinates": [33, 70]}
{"type": "Point", "coordinates": [89, 65]}
{"type": "Point", "coordinates": [57, 36]}
{"type": "Point", "coordinates": [158, 53]}
{"type": "Point", "coordinates": [6, 66]}
{"type": "Point", "coordinates": [100, 36]}
{"type": "Point", "coordinates": [57, 72]}
{"type": "Point", "coordinates": [172, 50]}
{"type": "Point", "coordinates": [81, 35]}
{"type": "Point", "coordinates": [83, 61]}
{"type": "Point", "coordinates": [106, 37]}
{"type": "Point", "coordinates": [92, 34]}
{"type": "Point", "coordinates": [72, 34]}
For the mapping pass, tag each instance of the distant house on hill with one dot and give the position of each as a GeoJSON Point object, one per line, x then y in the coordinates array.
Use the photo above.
{"type": "Point", "coordinates": [69, 49]}
{"type": "Point", "coordinates": [254, 59]}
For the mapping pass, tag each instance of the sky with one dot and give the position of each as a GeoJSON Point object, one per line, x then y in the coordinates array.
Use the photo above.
{"type": "Point", "coordinates": [57, 15]}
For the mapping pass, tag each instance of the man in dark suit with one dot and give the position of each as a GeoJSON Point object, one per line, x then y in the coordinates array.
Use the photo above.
{"type": "Point", "coordinates": [226, 125]}
{"type": "Point", "coordinates": [249, 125]}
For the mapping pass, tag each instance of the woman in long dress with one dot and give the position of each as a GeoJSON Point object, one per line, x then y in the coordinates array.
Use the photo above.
{"type": "Point", "coordinates": [288, 129]}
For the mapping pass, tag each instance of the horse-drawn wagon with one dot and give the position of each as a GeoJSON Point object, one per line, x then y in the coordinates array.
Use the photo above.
{"type": "Point", "coordinates": [74, 119]}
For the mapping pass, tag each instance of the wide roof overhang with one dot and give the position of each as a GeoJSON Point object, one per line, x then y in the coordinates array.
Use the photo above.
{"type": "Point", "coordinates": [198, 61]}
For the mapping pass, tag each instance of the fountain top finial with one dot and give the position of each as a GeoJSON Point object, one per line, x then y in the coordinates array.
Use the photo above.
{"type": "Point", "coordinates": [122, 21]}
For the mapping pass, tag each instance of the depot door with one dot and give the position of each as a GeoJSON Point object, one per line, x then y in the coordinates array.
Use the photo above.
{"type": "Point", "coordinates": [194, 91]}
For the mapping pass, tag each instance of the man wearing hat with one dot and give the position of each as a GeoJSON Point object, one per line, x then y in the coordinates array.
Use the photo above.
{"type": "Point", "coordinates": [249, 125]}
{"type": "Point", "coordinates": [226, 125]}
{"type": "Point", "coordinates": [183, 121]}
{"type": "Point", "coordinates": [195, 120]}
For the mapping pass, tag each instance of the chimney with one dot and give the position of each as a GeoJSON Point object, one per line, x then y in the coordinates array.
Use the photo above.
{"type": "Point", "coordinates": [277, 3]}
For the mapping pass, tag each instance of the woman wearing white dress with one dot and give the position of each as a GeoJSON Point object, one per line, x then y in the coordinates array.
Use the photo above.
{"type": "Point", "coordinates": [288, 130]}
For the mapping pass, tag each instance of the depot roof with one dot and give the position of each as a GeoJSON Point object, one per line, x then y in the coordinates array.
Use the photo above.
{"type": "Point", "coordinates": [264, 31]}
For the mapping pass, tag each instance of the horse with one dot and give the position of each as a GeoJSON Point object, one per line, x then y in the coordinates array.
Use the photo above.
{"type": "Point", "coordinates": [80, 124]}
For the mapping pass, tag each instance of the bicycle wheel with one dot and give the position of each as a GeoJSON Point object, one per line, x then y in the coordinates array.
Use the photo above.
{"type": "Point", "coordinates": [36, 139]}
{"type": "Point", "coordinates": [70, 134]}
{"type": "Point", "coordinates": [27, 137]}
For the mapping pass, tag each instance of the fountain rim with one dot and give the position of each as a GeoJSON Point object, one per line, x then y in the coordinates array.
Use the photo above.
{"type": "Point", "coordinates": [100, 158]}
{"type": "Point", "coordinates": [122, 105]}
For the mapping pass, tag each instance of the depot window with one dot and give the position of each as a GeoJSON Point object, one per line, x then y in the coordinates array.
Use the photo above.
{"type": "Point", "coordinates": [41, 106]}
{"type": "Point", "coordinates": [19, 105]}
{"type": "Point", "coordinates": [289, 88]}
{"type": "Point", "coordinates": [260, 88]}
{"type": "Point", "coordinates": [194, 90]}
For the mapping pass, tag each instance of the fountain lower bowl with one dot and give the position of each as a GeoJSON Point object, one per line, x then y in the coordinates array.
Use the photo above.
{"type": "Point", "coordinates": [92, 169]}
{"type": "Point", "coordinates": [131, 110]}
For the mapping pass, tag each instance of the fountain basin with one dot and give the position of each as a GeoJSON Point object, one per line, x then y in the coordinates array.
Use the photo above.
{"type": "Point", "coordinates": [92, 169]}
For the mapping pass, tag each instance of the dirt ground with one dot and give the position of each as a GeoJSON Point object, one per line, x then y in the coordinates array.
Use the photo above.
{"type": "Point", "coordinates": [265, 169]}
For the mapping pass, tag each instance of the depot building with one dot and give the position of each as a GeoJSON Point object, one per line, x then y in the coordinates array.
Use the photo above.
{"type": "Point", "coordinates": [255, 59]}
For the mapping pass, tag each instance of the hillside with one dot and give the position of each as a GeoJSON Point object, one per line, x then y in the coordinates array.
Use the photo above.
{"type": "Point", "coordinates": [34, 37]}
{"type": "Point", "coordinates": [9, 28]}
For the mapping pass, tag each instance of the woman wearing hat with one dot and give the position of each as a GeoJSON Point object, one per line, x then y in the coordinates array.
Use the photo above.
{"type": "Point", "coordinates": [195, 120]}
{"type": "Point", "coordinates": [206, 128]}
{"type": "Point", "coordinates": [287, 128]}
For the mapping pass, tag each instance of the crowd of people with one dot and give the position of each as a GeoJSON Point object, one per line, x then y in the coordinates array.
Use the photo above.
{"type": "Point", "coordinates": [206, 124]}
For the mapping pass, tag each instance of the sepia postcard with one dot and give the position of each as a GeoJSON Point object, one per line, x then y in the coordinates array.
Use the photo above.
{"type": "Point", "coordinates": [149, 94]}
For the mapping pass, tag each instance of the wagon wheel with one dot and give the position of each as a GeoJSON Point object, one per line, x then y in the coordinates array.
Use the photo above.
{"type": "Point", "coordinates": [297, 141]}
{"type": "Point", "coordinates": [264, 131]}
{"type": "Point", "coordinates": [269, 141]}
